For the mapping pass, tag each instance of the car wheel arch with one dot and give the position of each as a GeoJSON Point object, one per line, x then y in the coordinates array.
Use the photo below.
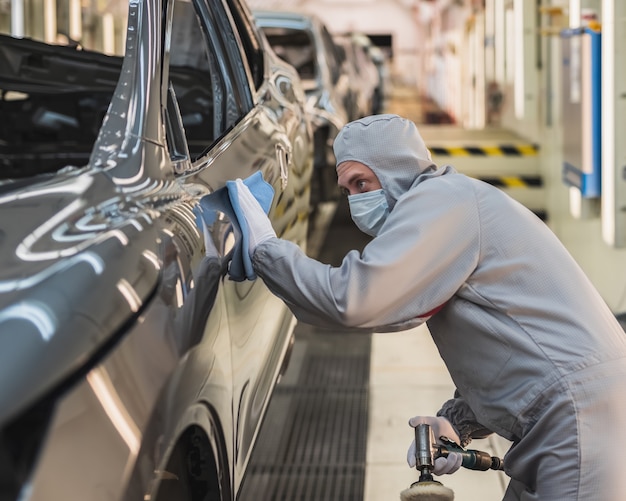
{"type": "Point", "coordinates": [195, 464]}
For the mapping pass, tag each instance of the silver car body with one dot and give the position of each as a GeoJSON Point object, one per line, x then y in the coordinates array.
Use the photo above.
{"type": "Point", "coordinates": [303, 40]}
{"type": "Point", "coordinates": [131, 366]}
{"type": "Point", "coordinates": [365, 86]}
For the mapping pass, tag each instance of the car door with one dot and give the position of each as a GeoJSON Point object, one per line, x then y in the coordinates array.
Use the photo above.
{"type": "Point", "coordinates": [249, 128]}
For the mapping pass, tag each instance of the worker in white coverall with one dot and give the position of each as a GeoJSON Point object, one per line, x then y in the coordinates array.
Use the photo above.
{"type": "Point", "coordinates": [535, 353]}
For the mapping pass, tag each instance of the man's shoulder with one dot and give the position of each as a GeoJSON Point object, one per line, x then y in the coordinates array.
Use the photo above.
{"type": "Point", "coordinates": [451, 189]}
{"type": "Point", "coordinates": [450, 179]}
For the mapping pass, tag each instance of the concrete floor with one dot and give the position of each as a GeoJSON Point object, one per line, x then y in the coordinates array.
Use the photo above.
{"type": "Point", "coordinates": [408, 378]}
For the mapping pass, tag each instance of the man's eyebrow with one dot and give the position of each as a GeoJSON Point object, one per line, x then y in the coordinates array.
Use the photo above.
{"type": "Point", "coordinates": [354, 176]}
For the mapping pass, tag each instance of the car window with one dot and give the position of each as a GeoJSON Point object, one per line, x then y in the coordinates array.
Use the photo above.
{"type": "Point", "coordinates": [331, 55]}
{"type": "Point", "coordinates": [249, 37]}
{"type": "Point", "coordinates": [207, 73]}
{"type": "Point", "coordinates": [54, 96]}
{"type": "Point", "coordinates": [200, 90]}
{"type": "Point", "coordinates": [51, 105]}
{"type": "Point", "coordinates": [294, 46]}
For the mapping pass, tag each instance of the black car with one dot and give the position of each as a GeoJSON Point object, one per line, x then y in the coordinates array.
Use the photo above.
{"type": "Point", "coordinates": [131, 365]}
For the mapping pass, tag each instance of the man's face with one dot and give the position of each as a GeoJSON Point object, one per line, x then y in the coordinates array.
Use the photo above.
{"type": "Point", "coordinates": [354, 177]}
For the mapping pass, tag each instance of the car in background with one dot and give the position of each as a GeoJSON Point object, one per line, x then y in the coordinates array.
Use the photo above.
{"type": "Point", "coordinates": [365, 96]}
{"type": "Point", "coordinates": [382, 66]}
{"type": "Point", "coordinates": [304, 41]}
{"type": "Point", "coordinates": [377, 56]}
{"type": "Point", "coordinates": [131, 365]}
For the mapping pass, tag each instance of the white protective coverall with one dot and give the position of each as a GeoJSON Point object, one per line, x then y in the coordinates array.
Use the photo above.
{"type": "Point", "coordinates": [534, 351]}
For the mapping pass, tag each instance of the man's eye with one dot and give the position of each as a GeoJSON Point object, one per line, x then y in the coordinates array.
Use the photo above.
{"type": "Point", "coordinates": [361, 184]}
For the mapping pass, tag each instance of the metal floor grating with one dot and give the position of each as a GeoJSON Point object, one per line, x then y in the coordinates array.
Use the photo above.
{"type": "Point", "coordinates": [312, 445]}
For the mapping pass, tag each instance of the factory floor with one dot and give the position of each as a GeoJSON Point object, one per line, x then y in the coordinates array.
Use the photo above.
{"type": "Point", "coordinates": [336, 428]}
{"type": "Point", "coordinates": [408, 378]}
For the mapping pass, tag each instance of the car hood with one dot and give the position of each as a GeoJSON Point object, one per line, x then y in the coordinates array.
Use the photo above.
{"type": "Point", "coordinates": [77, 262]}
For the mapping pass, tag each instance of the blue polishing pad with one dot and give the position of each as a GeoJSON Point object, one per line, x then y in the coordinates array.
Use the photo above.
{"type": "Point", "coordinates": [226, 200]}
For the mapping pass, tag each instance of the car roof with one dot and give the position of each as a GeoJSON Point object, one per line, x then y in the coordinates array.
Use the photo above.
{"type": "Point", "coordinates": [286, 18]}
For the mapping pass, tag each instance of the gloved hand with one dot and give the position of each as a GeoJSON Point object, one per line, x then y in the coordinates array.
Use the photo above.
{"type": "Point", "coordinates": [449, 464]}
{"type": "Point", "coordinates": [440, 427]}
{"type": "Point", "coordinates": [259, 225]}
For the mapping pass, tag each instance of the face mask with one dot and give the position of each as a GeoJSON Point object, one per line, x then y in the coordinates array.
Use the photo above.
{"type": "Point", "coordinates": [369, 210]}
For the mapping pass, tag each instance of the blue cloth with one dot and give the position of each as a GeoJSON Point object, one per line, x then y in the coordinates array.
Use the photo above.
{"type": "Point", "coordinates": [226, 200]}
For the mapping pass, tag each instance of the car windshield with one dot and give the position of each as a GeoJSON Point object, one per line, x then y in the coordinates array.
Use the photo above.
{"type": "Point", "coordinates": [55, 91]}
{"type": "Point", "coordinates": [54, 97]}
{"type": "Point", "coordinates": [52, 107]}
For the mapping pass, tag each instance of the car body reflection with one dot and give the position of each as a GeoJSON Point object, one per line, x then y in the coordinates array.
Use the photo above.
{"type": "Point", "coordinates": [303, 40]}
{"type": "Point", "coordinates": [131, 366]}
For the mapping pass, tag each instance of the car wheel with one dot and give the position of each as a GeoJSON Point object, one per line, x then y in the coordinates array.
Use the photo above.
{"type": "Point", "coordinates": [191, 473]}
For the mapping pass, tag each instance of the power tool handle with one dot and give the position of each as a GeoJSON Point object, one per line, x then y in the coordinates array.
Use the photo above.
{"type": "Point", "coordinates": [472, 459]}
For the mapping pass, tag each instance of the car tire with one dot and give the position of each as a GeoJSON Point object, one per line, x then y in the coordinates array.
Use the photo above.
{"type": "Point", "coordinates": [192, 473]}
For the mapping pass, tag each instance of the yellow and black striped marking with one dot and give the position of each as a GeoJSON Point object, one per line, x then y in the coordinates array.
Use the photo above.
{"type": "Point", "coordinates": [503, 150]}
{"type": "Point", "coordinates": [513, 181]}
{"type": "Point", "coordinates": [504, 182]}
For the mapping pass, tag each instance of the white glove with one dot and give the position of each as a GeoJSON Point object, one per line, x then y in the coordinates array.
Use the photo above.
{"type": "Point", "coordinates": [440, 427]}
{"type": "Point", "coordinates": [259, 225]}
{"type": "Point", "coordinates": [448, 465]}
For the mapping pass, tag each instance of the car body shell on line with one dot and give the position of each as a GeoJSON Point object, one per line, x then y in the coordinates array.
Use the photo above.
{"type": "Point", "coordinates": [131, 365]}
{"type": "Point", "coordinates": [365, 96]}
{"type": "Point", "coordinates": [303, 40]}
